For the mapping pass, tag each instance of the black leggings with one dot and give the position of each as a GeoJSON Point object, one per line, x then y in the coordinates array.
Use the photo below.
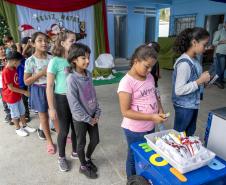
{"type": "Point", "coordinates": [81, 128]}
{"type": "Point", "coordinates": [65, 121]}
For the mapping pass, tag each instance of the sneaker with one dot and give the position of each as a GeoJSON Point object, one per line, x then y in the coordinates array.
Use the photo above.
{"type": "Point", "coordinates": [74, 155]}
{"type": "Point", "coordinates": [88, 172]}
{"type": "Point", "coordinates": [92, 165]}
{"type": "Point", "coordinates": [29, 129]}
{"type": "Point", "coordinates": [21, 132]}
{"type": "Point", "coordinates": [41, 134]}
{"type": "Point", "coordinates": [34, 111]}
{"type": "Point", "coordinates": [53, 130]}
{"type": "Point", "coordinates": [63, 165]}
{"type": "Point", "coordinates": [11, 123]}
{"type": "Point", "coordinates": [7, 119]}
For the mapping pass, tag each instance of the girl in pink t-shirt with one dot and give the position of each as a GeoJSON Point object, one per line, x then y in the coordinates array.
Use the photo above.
{"type": "Point", "coordinates": [139, 104]}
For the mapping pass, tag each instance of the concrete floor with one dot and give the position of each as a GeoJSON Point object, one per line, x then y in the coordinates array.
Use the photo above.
{"type": "Point", "coordinates": [24, 161]}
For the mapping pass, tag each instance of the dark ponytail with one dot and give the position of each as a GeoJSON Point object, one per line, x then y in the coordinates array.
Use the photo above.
{"type": "Point", "coordinates": [143, 52]}
{"type": "Point", "coordinates": [183, 40]}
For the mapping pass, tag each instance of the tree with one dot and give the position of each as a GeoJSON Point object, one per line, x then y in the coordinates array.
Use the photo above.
{"type": "Point", "coordinates": [4, 29]}
{"type": "Point", "coordinates": [164, 14]}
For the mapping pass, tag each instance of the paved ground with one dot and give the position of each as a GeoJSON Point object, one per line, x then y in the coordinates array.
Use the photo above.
{"type": "Point", "coordinates": [24, 161]}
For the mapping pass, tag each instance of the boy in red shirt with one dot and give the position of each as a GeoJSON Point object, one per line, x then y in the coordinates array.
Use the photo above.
{"type": "Point", "coordinates": [12, 94]}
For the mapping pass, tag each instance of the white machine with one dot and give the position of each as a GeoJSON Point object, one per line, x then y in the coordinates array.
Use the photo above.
{"type": "Point", "coordinates": [216, 132]}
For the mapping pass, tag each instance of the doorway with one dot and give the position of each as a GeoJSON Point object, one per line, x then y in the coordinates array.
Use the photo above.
{"type": "Point", "coordinates": [120, 33]}
{"type": "Point", "coordinates": [212, 22]}
{"type": "Point", "coordinates": [149, 29]}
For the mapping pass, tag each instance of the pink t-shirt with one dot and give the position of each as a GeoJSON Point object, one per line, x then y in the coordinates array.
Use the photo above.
{"type": "Point", "coordinates": [143, 100]}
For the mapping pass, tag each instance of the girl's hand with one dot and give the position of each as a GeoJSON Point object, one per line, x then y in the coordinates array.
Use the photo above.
{"type": "Point", "coordinates": [94, 121]}
{"type": "Point", "coordinates": [52, 114]}
{"type": "Point", "coordinates": [44, 71]}
{"type": "Point", "coordinates": [26, 93]}
{"type": "Point", "coordinates": [205, 77]}
{"type": "Point", "coordinates": [97, 120]}
{"type": "Point", "coordinates": [158, 118]}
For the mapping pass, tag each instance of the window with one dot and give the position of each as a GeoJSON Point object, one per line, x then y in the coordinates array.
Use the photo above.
{"type": "Point", "coordinates": [145, 11]}
{"type": "Point", "coordinates": [117, 9]}
{"type": "Point", "coordinates": [181, 23]}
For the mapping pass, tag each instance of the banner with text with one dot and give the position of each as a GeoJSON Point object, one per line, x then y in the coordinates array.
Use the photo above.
{"type": "Point", "coordinates": [79, 21]}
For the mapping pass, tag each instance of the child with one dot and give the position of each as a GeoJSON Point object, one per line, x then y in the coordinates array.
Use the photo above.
{"type": "Point", "coordinates": [3, 63]}
{"type": "Point", "coordinates": [156, 74]}
{"type": "Point", "coordinates": [155, 70]}
{"type": "Point", "coordinates": [20, 71]}
{"type": "Point", "coordinates": [10, 44]}
{"type": "Point", "coordinates": [12, 94]}
{"type": "Point", "coordinates": [84, 107]}
{"type": "Point", "coordinates": [26, 47]}
{"type": "Point", "coordinates": [188, 78]}
{"type": "Point", "coordinates": [58, 70]}
{"type": "Point", "coordinates": [35, 75]}
{"type": "Point", "coordinates": [138, 101]}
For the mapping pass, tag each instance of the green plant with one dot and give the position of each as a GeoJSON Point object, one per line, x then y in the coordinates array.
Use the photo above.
{"type": "Point", "coordinates": [4, 29]}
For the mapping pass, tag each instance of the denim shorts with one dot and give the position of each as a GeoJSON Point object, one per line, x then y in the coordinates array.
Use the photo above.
{"type": "Point", "coordinates": [38, 98]}
{"type": "Point", "coordinates": [16, 109]}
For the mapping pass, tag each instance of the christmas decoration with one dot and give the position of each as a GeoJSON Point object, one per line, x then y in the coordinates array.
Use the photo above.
{"type": "Point", "coordinates": [4, 29]}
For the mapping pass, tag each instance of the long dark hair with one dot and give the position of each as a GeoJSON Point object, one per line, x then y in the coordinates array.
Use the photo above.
{"type": "Point", "coordinates": [34, 37]}
{"type": "Point", "coordinates": [143, 52]}
{"type": "Point", "coordinates": [36, 34]}
{"type": "Point", "coordinates": [76, 50]}
{"type": "Point", "coordinates": [183, 40]}
{"type": "Point", "coordinates": [58, 49]}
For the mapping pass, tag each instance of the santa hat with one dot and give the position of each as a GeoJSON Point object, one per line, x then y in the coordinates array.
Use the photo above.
{"type": "Point", "coordinates": [25, 27]}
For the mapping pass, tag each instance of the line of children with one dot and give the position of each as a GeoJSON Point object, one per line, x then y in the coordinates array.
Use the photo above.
{"type": "Point", "coordinates": [84, 107]}
{"type": "Point", "coordinates": [35, 76]}
{"type": "Point", "coordinates": [75, 104]}
{"type": "Point", "coordinates": [35, 71]}
{"type": "Point", "coordinates": [12, 94]}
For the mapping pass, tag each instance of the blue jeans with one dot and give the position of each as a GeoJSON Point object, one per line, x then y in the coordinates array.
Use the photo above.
{"type": "Point", "coordinates": [133, 137]}
{"type": "Point", "coordinates": [16, 109]}
{"type": "Point", "coordinates": [220, 66]}
{"type": "Point", "coordinates": [185, 120]}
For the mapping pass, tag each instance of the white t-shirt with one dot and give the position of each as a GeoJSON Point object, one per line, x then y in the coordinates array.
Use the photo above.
{"type": "Point", "coordinates": [33, 65]}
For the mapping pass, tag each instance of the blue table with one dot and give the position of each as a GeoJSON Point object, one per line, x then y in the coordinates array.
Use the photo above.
{"type": "Point", "coordinates": [154, 168]}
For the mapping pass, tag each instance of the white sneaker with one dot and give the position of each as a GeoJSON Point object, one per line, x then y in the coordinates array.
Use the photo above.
{"type": "Point", "coordinates": [29, 129]}
{"type": "Point", "coordinates": [21, 132]}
